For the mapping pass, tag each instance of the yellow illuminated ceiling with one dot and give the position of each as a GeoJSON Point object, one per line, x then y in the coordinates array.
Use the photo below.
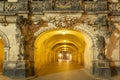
{"type": "Point", "coordinates": [60, 36]}
{"type": "Point", "coordinates": [53, 41]}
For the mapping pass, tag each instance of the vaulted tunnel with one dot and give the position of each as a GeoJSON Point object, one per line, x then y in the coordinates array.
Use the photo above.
{"type": "Point", "coordinates": [61, 45]}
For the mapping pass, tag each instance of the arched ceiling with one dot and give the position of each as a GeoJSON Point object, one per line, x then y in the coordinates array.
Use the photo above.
{"type": "Point", "coordinates": [61, 37]}
{"type": "Point", "coordinates": [52, 42]}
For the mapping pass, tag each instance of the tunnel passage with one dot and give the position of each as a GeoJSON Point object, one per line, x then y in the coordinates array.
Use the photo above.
{"type": "Point", "coordinates": [54, 45]}
{"type": "Point", "coordinates": [1, 54]}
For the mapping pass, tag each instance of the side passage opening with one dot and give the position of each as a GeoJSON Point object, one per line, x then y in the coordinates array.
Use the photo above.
{"type": "Point", "coordinates": [1, 55]}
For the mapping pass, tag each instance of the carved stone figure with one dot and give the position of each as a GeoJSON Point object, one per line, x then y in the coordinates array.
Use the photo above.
{"type": "Point", "coordinates": [101, 44]}
{"type": "Point", "coordinates": [111, 28]}
{"type": "Point", "coordinates": [63, 4]}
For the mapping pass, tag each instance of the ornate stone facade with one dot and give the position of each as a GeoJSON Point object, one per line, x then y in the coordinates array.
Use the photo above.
{"type": "Point", "coordinates": [28, 19]}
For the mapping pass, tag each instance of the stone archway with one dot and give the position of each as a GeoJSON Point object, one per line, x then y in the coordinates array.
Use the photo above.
{"type": "Point", "coordinates": [31, 31]}
{"type": "Point", "coordinates": [4, 50]}
{"type": "Point", "coordinates": [1, 54]}
{"type": "Point", "coordinates": [88, 51]}
{"type": "Point", "coordinates": [87, 29]}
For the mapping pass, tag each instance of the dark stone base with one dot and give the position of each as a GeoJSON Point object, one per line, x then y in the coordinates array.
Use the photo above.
{"type": "Point", "coordinates": [14, 69]}
{"type": "Point", "coordinates": [20, 73]}
{"type": "Point", "coordinates": [115, 70]}
{"type": "Point", "coordinates": [15, 73]}
{"type": "Point", "coordinates": [118, 70]}
{"type": "Point", "coordinates": [9, 72]}
{"type": "Point", "coordinates": [102, 72]}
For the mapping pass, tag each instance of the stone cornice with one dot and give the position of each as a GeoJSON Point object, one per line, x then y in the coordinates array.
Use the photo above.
{"type": "Point", "coordinates": [41, 7]}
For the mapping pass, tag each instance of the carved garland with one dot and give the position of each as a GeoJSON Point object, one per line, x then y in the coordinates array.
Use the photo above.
{"type": "Point", "coordinates": [64, 21]}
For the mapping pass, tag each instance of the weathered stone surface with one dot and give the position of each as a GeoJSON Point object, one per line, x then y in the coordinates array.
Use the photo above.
{"type": "Point", "coordinates": [95, 19]}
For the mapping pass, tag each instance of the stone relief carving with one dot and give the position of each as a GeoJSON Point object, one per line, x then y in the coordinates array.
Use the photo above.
{"type": "Point", "coordinates": [102, 57]}
{"type": "Point", "coordinates": [37, 6]}
{"type": "Point", "coordinates": [64, 21]}
{"type": "Point", "coordinates": [68, 5]}
{"type": "Point", "coordinates": [89, 20]}
{"type": "Point", "coordinates": [100, 44]}
{"type": "Point", "coordinates": [49, 5]}
{"type": "Point", "coordinates": [63, 4]}
{"type": "Point", "coordinates": [23, 6]}
{"type": "Point", "coordinates": [114, 7]}
{"type": "Point", "coordinates": [4, 22]}
{"type": "Point", "coordinates": [110, 29]}
{"type": "Point", "coordinates": [1, 6]}
{"type": "Point", "coordinates": [101, 21]}
{"type": "Point", "coordinates": [11, 6]}
{"type": "Point", "coordinates": [99, 24]}
{"type": "Point", "coordinates": [96, 6]}
{"type": "Point", "coordinates": [59, 5]}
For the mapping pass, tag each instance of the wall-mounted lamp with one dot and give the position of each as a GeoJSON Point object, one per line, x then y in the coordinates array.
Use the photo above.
{"type": "Point", "coordinates": [63, 32]}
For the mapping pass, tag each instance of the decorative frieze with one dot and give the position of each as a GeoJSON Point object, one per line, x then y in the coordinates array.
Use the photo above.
{"type": "Point", "coordinates": [99, 6]}
{"type": "Point", "coordinates": [23, 7]}
{"type": "Point", "coordinates": [64, 21]}
{"type": "Point", "coordinates": [114, 8]}
{"type": "Point", "coordinates": [1, 6]}
{"type": "Point", "coordinates": [10, 6]}
{"type": "Point", "coordinates": [37, 7]}
{"type": "Point", "coordinates": [61, 5]}
{"type": "Point", "coordinates": [48, 5]}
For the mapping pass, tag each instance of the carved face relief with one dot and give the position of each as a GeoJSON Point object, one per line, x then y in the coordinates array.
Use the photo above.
{"type": "Point", "coordinates": [63, 4]}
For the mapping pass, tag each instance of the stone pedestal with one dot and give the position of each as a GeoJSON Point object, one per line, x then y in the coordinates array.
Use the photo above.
{"type": "Point", "coordinates": [20, 69]}
{"type": "Point", "coordinates": [118, 70]}
{"type": "Point", "coordinates": [101, 71]}
{"type": "Point", "coordinates": [14, 69]}
{"type": "Point", "coordinates": [9, 68]}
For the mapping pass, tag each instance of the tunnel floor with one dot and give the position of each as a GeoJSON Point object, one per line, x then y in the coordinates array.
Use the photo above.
{"type": "Point", "coordinates": [64, 71]}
